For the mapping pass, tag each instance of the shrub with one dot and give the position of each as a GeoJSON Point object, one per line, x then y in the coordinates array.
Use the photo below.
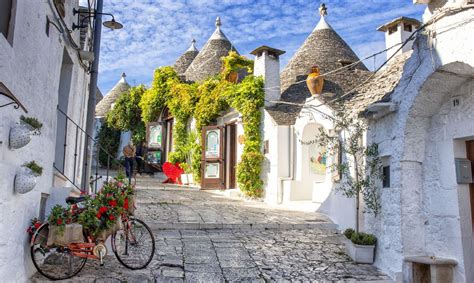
{"type": "Point", "coordinates": [109, 142]}
{"type": "Point", "coordinates": [348, 233]}
{"type": "Point", "coordinates": [33, 122]}
{"type": "Point", "coordinates": [33, 166]}
{"type": "Point", "coordinates": [363, 239]}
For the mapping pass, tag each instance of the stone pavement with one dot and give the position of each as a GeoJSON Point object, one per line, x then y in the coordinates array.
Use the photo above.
{"type": "Point", "coordinates": [206, 237]}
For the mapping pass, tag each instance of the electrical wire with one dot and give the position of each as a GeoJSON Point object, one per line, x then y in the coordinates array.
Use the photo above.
{"type": "Point", "coordinates": [440, 14]}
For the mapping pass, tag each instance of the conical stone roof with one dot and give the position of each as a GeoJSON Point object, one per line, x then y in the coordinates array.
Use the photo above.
{"type": "Point", "coordinates": [183, 62]}
{"type": "Point", "coordinates": [325, 49]}
{"type": "Point", "coordinates": [105, 105]}
{"type": "Point", "coordinates": [208, 62]}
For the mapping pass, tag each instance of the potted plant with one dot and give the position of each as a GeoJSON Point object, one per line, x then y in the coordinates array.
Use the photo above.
{"type": "Point", "coordinates": [360, 174]}
{"type": "Point", "coordinates": [20, 135]}
{"type": "Point", "coordinates": [25, 180]}
{"type": "Point", "coordinates": [62, 230]}
{"type": "Point", "coordinates": [187, 177]}
{"type": "Point", "coordinates": [360, 246]}
{"type": "Point", "coordinates": [232, 64]}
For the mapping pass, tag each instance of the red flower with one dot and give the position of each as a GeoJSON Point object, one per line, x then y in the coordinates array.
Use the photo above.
{"type": "Point", "coordinates": [125, 204]}
{"type": "Point", "coordinates": [59, 221]}
{"type": "Point", "coordinates": [98, 215]}
{"type": "Point", "coordinates": [111, 217]}
{"type": "Point", "coordinates": [37, 225]}
{"type": "Point", "coordinates": [113, 203]}
{"type": "Point", "coordinates": [119, 184]}
{"type": "Point", "coordinates": [103, 209]}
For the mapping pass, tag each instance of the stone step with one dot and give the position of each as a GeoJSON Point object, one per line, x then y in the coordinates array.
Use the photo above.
{"type": "Point", "coordinates": [244, 226]}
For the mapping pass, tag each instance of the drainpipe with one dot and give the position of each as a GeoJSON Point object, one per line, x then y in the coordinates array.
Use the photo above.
{"type": "Point", "coordinates": [91, 101]}
{"type": "Point", "coordinates": [291, 169]}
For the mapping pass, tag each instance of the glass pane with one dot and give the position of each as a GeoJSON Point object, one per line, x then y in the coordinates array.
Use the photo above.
{"type": "Point", "coordinates": [212, 171]}
{"type": "Point", "coordinates": [212, 143]}
{"type": "Point", "coordinates": [154, 139]}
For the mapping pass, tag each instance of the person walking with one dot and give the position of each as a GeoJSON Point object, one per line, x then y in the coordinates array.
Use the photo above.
{"type": "Point", "coordinates": [129, 154]}
{"type": "Point", "coordinates": [139, 157]}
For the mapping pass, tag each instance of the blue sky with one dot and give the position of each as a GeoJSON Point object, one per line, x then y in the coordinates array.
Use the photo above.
{"type": "Point", "coordinates": [157, 32]}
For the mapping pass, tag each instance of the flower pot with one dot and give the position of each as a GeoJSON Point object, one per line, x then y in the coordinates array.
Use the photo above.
{"type": "Point", "coordinates": [233, 77]}
{"type": "Point", "coordinates": [190, 179]}
{"type": "Point", "coordinates": [20, 135]}
{"type": "Point", "coordinates": [25, 181]}
{"type": "Point", "coordinates": [359, 253]}
{"type": "Point", "coordinates": [315, 82]}
{"type": "Point", "coordinates": [71, 233]}
{"type": "Point", "coordinates": [184, 179]}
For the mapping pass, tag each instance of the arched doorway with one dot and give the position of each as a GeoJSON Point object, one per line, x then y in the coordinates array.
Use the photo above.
{"type": "Point", "coordinates": [436, 210]}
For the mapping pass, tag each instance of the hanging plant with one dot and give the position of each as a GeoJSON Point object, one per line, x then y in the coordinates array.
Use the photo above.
{"type": "Point", "coordinates": [25, 179]}
{"type": "Point", "coordinates": [20, 135]}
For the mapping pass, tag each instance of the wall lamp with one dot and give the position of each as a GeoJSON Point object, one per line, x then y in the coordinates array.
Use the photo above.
{"type": "Point", "coordinates": [108, 24]}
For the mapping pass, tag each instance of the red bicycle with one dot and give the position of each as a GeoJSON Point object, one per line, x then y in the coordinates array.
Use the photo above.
{"type": "Point", "coordinates": [133, 244]}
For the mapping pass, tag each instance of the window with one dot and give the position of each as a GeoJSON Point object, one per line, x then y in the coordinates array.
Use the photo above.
{"type": "Point", "coordinates": [386, 176]}
{"type": "Point", "coordinates": [7, 11]}
{"type": "Point", "coordinates": [392, 29]}
{"type": "Point", "coordinates": [408, 27]}
{"type": "Point", "coordinates": [42, 212]}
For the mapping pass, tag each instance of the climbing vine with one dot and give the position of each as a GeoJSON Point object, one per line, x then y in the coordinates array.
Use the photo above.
{"type": "Point", "coordinates": [126, 114]}
{"type": "Point", "coordinates": [205, 102]}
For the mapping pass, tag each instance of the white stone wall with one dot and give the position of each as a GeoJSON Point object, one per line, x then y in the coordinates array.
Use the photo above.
{"type": "Point", "coordinates": [424, 210]}
{"type": "Point", "coordinates": [30, 68]}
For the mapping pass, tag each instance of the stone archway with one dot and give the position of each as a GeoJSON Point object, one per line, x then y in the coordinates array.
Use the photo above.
{"type": "Point", "coordinates": [433, 206]}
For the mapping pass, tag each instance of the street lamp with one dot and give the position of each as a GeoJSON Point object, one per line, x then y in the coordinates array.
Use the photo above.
{"type": "Point", "coordinates": [109, 24]}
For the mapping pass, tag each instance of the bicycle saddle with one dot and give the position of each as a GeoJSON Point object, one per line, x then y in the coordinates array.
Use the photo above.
{"type": "Point", "coordinates": [74, 200]}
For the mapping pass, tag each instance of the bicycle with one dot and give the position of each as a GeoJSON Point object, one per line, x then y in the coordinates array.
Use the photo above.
{"type": "Point", "coordinates": [133, 246]}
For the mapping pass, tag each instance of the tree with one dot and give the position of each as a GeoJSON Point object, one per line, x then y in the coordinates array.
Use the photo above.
{"type": "Point", "coordinates": [126, 114]}
{"type": "Point", "coordinates": [359, 164]}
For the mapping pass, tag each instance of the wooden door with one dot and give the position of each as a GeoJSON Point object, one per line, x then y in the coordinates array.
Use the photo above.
{"type": "Point", "coordinates": [231, 156]}
{"type": "Point", "coordinates": [213, 158]}
{"type": "Point", "coordinates": [470, 156]}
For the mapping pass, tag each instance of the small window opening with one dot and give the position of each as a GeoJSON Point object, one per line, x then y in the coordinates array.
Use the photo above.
{"type": "Point", "coordinates": [408, 27]}
{"type": "Point", "coordinates": [392, 29]}
{"type": "Point", "coordinates": [6, 18]}
{"type": "Point", "coordinates": [386, 176]}
{"type": "Point", "coordinates": [43, 202]}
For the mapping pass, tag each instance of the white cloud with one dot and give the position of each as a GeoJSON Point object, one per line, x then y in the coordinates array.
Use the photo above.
{"type": "Point", "coordinates": [157, 32]}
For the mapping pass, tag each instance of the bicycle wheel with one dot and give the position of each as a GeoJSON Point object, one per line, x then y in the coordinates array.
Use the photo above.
{"type": "Point", "coordinates": [55, 263]}
{"type": "Point", "coordinates": [134, 246]}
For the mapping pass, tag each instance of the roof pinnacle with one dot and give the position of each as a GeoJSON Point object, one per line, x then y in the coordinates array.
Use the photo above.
{"type": "Point", "coordinates": [218, 22]}
{"type": "Point", "coordinates": [323, 10]}
{"type": "Point", "coordinates": [193, 46]}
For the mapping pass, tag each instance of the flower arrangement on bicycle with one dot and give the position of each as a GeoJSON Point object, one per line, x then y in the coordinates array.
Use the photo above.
{"type": "Point", "coordinates": [80, 230]}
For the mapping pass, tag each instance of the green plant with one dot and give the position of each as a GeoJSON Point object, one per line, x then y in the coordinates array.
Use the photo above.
{"type": "Point", "coordinates": [126, 114]}
{"type": "Point", "coordinates": [234, 63]}
{"type": "Point", "coordinates": [33, 122]}
{"type": "Point", "coordinates": [59, 216]}
{"type": "Point", "coordinates": [34, 167]}
{"type": "Point", "coordinates": [363, 239]}
{"type": "Point", "coordinates": [109, 142]}
{"type": "Point", "coordinates": [360, 166]}
{"type": "Point", "coordinates": [349, 232]}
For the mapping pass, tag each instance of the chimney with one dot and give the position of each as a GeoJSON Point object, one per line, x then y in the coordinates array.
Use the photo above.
{"type": "Point", "coordinates": [396, 32]}
{"type": "Point", "coordinates": [267, 65]}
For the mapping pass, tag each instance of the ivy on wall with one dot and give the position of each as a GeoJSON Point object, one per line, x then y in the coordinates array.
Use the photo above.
{"type": "Point", "coordinates": [205, 102]}
{"type": "Point", "coordinates": [126, 114]}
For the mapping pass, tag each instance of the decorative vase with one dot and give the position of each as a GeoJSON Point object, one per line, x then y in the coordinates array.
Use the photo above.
{"type": "Point", "coordinates": [315, 82]}
{"type": "Point", "coordinates": [233, 77]}
{"type": "Point", "coordinates": [25, 181]}
{"type": "Point", "coordinates": [20, 135]}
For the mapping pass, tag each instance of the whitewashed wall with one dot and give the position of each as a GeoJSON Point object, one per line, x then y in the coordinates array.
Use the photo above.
{"type": "Point", "coordinates": [424, 210]}
{"type": "Point", "coordinates": [30, 68]}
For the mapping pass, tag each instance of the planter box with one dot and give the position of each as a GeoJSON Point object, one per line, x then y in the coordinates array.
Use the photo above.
{"type": "Point", "coordinates": [359, 253]}
{"type": "Point", "coordinates": [184, 179]}
{"type": "Point", "coordinates": [72, 233]}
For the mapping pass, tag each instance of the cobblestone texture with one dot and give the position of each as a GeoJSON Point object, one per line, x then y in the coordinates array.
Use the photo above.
{"type": "Point", "coordinates": [242, 253]}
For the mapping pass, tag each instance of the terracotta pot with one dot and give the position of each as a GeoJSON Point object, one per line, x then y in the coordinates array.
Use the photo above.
{"type": "Point", "coordinates": [20, 135]}
{"type": "Point", "coordinates": [233, 77]}
{"type": "Point", "coordinates": [25, 181]}
{"type": "Point", "coordinates": [315, 82]}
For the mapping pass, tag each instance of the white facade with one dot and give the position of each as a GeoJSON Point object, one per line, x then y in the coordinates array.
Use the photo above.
{"type": "Point", "coordinates": [32, 66]}
{"type": "Point", "coordinates": [425, 211]}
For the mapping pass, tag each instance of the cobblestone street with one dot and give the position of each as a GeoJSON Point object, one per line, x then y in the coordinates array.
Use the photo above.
{"type": "Point", "coordinates": [207, 237]}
